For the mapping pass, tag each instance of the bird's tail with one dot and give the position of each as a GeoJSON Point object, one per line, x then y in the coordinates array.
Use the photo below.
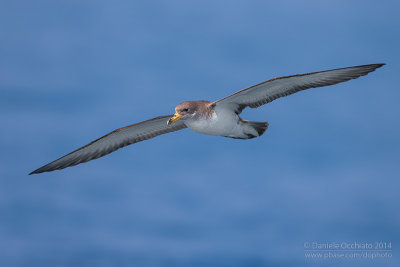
{"type": "Point", "coordinates": [250, 129]}
{"type": "Point", "coordinates": [259, 126]}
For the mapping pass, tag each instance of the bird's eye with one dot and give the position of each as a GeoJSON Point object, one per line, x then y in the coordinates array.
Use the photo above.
{"type": "Point", "coordinates": [185, 110]}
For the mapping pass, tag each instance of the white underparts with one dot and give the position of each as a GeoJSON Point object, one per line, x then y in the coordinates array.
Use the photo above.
{"type": "Point", "coordinates": [223, 122]}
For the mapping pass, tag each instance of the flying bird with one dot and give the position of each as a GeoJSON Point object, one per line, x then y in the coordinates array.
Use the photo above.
{"type": "Point", "coordinates": [210, 117]}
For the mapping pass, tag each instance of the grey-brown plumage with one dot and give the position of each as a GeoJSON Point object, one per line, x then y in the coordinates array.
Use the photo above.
{"type": "Point", "coordinates": [215, 118]}
{"type": "Point", "coordinates": [265, 92]}
{"type": "Point", "coordinates": [113, 141]}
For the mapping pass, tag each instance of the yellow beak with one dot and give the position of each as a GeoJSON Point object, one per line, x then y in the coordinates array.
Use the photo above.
{"type": "Point", "coordinates": [174, 119]}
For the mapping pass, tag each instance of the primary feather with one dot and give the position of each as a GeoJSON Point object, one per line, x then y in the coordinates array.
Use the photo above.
{"type": "Point", "coordinates": [112, 141]}
{"type": "Point", "coordinates": [272, 89]}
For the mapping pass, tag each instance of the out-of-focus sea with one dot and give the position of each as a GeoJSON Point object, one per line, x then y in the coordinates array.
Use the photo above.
{"type": "Point", "coordinates": [325, 172]}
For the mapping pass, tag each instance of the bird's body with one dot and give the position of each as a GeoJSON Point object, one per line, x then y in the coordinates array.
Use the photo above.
{"type": "Point", "coordinates": [214, 118]}
{"type": "Point", "coordinates": [220, 121]}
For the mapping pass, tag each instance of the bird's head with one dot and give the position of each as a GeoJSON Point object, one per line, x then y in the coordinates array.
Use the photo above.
{"type": "Point", "coordinates": [190, 110]}
{"type": "Point", "coordinates": [183, 111]}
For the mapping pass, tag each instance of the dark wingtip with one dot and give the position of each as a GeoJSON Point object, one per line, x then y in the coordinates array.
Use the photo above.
{"type": "Point", "coordinates": [370, 67]}
{"type": "Point", "coordinates": [37, 171]}
{"type": "Point", "coordinates": [34, 172]}
{"type": "Point", "coordinates": [374, 66]}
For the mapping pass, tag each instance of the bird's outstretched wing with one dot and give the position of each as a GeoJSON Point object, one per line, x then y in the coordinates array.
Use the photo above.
{"type": "Point", "coordinates": [272, 89]}
{"type": "Point", "coordinates": [110, 142]}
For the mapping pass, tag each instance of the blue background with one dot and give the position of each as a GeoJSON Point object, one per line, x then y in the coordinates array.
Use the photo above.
{"type": "Point", "coordinates": [327, 169]}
